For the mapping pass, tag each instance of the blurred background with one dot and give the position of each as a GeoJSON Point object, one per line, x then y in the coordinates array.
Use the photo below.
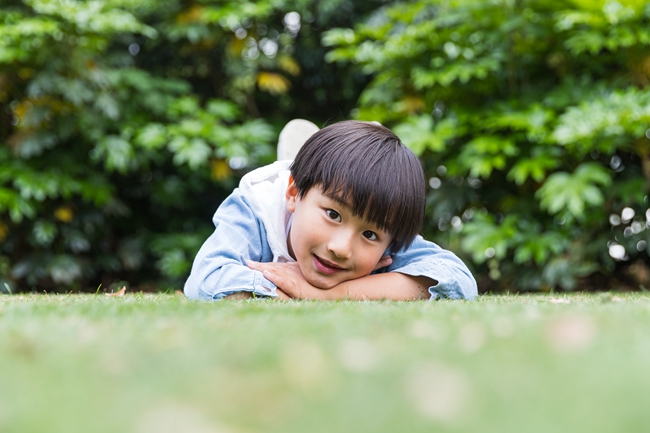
{"type": "Point", "coordinates": [124, 123]}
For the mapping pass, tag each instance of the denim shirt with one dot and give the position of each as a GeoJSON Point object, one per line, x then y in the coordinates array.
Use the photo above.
{"type": "Point", "coordinates": [244, 230]}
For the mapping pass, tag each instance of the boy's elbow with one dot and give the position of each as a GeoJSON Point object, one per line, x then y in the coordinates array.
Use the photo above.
{"type": "Point", "coordinates": [463, 287]}
{"type": "Point", "coordinates": [470, 291]}
{"type": "Point", "coordinates": [191, 288]}
{"type": "Point", "coordinates": [467, 288]}
{"type": "Point", "coordinates": [197, 286]}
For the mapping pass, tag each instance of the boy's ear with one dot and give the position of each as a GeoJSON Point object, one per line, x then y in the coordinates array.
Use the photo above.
{"type": "Point", "coordinates": [291, 195]}
{"type": "Point", "coordinates": [385, 260]}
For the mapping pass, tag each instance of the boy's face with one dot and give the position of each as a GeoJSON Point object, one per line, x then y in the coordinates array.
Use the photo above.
{"type": "Point", "coordinates": [329, 243]}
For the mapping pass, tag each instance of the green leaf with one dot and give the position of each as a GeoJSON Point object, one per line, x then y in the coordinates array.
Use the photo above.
{"type": "Point", "coordinates": [185, 106]}
{"type": "Point", "coordinates": [174, 263]}
{"type": "Point", "coordinates": [194, 152]}
{"type": "Point", "coordinates": [44, 232]}
{"type": "Point", "coordinates": [483, 235]}
{"type": "Point", "coordinates": [37, 186]}
{"type": "Point", "coordinates": [535, 167]}
{"type": "Point", "coordinates": [339, 36]}
{"type": "Point", "coordinates": [76, 241]}
{"type": "Point", "coordinates": [572, 193]}
{"type": "Point", "coordinates": [588, 40]}
{"type": "Point", "coordinates": [605, 115]}
{"type": "Point", "coordinates": [223, 110]}
{"type": "Point", "coordinates": [420, 134]}
{"type": "Point", "coordinates": [539, 247]}
{"type": "Point", "coordinates": [484, 154]}
{"type": "Point", "coordinates": [36, 143]}
{"type": "Point", "coordinates": [254, 132]}
{"type": "Point", "coordinates": [117, 153]}
{"type": "Point", "coordinates": [416, 133]}
{"type": "Point", "coordinates": [64, 269]}
{"type": "Point", "coordinates": [18, 207]}
{"type": "Point", "coordinates": [152, 137]}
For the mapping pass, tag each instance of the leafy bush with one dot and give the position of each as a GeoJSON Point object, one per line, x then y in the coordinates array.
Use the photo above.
{"type": "Point", "coordinates": [125, 123]}
{"type": "Point", "coordinates": [532, 119]}
{"type": "Point", "coordinates": [107, 169]}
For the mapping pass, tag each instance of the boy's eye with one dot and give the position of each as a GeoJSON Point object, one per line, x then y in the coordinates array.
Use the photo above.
{"type": "Point", "coordinates": [370, 235]}
{"type": "Point", "coordinates": [333, 215]}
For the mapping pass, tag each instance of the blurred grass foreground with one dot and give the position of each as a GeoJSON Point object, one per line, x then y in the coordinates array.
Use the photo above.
{"type": "Point", "coordinates": [158, 363]}
{"type": "Point", "coordinates": [123, 124]}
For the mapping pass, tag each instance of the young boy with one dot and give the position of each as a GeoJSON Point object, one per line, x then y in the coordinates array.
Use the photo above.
{"type": "Point", "coordinates": [339, 222]}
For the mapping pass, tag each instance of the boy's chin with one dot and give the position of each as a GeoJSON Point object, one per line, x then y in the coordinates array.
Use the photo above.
{"type": "Point", "coordinates": [326, 283]}
{"type": "Point", "coordinates": [322, 285]}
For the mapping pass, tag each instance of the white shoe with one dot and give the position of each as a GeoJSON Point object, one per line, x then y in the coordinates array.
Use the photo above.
{"type": "Point", "coordinates": [293, 136]}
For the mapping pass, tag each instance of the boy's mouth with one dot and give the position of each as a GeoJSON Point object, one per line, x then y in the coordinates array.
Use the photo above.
{"type": "Point", "coordinates": [325, 266]}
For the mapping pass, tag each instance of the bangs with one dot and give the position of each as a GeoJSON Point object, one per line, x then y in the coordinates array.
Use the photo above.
{"type": "Point", "coordinates": [370, 171]}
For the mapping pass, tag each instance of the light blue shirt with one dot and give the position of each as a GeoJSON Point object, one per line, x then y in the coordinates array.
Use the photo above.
{"type": "Point", "coordinates": [242, 233]}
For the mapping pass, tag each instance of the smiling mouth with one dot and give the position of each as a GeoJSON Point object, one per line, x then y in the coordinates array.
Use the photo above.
{"type": "Point", "coordinates": [325, 266]}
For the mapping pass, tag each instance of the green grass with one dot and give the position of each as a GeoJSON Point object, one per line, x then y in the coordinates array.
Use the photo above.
{"type": "Point", "coordinates": [159, 363]}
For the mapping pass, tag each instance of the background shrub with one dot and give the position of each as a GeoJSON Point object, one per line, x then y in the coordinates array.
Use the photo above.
{"type": "Point", "coordinates": [124, 123]}
{"type": "Point", "coordinates": [532, 120]}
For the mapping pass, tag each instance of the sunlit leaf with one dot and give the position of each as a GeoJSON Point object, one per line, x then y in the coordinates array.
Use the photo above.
{"type": "Point", "coordinates": [289, 65]}
{"type": "Point", "coordinates": [64, 214]}
{"type": "Point", "coordinates": [273, 83]}
{"type": "Point", "coordinates": [219, 169]}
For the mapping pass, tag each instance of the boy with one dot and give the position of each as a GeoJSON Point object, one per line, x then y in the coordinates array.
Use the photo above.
{"type": "Point", "coordinates": [339, 222]}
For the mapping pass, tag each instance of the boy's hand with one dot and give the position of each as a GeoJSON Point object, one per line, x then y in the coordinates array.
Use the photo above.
{"type": "Point", "coordinates": [391, 285]}
{"type": "Point", "coordinates": [288, 278]}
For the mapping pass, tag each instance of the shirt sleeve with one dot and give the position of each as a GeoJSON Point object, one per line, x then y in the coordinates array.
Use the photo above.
{"type": "Point", "coordinates": [426, 259]}
{"type": "Point", "coordinates": [219, 268]}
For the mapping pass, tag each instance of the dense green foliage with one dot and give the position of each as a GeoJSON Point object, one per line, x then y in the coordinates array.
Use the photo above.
{"type": "Point", "coordinates": [532, 118]}
{"type": "Point", "coordinates": [159, 363]}
{"type": "Point", "coordinates": [123, 123]}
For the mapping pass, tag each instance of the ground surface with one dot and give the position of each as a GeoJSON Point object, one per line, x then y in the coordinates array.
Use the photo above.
{"type": "Point", "coordinates": [158, 363]}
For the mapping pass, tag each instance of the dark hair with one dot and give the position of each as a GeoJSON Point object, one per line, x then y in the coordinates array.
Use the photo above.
{"type": "Point", "coordinates": [366, 166]}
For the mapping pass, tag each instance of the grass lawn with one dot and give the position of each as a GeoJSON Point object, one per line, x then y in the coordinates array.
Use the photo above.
{"type": "Point", "coordinates": [162, 364]}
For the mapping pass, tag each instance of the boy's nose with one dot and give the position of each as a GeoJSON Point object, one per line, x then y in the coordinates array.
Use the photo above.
{"type": "Point", "coordinates": [341, 245]}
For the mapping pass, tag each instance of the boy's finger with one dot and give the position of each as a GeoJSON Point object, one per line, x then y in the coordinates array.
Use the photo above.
{"type": "Point", "coordinates": [283, 284]}
{"type": "Point", "coordinates": [255, 265]}
{"type": "Point", "coordinates": [282, 296]}
{"type": "Point", "coordinates": [274, 278]}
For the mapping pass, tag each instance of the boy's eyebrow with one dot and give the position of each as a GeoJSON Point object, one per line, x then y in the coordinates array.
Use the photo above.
{"type": "Point", "coordinates": [349, 207]}
{"type": "Point", "coordinates": [338, 200]}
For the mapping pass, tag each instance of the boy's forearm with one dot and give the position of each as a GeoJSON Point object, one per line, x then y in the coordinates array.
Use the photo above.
{"type": "Point", "coordinates": [247, 295]}
{"type": "Point", "coordinates": [240, 295]}
{"type": "Point", "coordinates": [391, 286]}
